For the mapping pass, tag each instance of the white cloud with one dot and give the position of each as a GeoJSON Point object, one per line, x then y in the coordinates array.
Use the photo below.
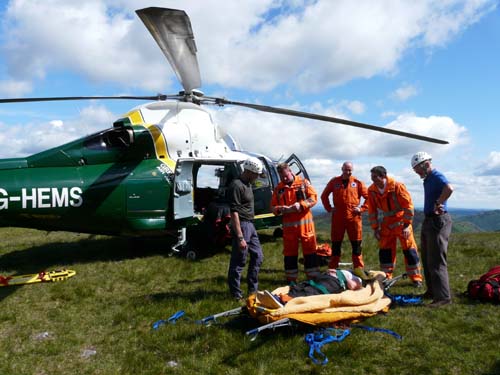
{"type": "Point", "coordinates": [15, 88]}
{"type": "Point", "coordinates": [446, 19]}
{"type": "Point", "coordinates": [29, 138]}
{"type": "Point", "coordinates": [277, 135]}
{"type": "Point", "coordinates": [354, 106]}
{"type": "Point", "coordinates": [311, 47]}
{"type": "Point", "coordinates": [404, 92]}
{"type": "Point", "coordinates": [57, 123]}
{"type": "Point", "coordinates": [491, 166]}
{"type": "Point", "coordinates": [87, 39]}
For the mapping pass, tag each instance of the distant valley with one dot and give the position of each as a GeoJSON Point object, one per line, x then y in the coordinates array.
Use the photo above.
{"type": "Point", "coordinates": [464, 220]}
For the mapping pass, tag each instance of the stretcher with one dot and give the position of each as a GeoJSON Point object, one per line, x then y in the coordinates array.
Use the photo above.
{"type": "Point", "coordinates": [323, 310]}
{"type": "Point", "coordinates": [41, 277]}
{"type": "Point", "coordinates": [333, 315]}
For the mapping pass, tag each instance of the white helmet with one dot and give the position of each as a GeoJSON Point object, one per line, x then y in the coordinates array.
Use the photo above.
{"type": "Point", "coordinates": [253, 165]}
{"type": "Point", "coordinates": [420, 157]}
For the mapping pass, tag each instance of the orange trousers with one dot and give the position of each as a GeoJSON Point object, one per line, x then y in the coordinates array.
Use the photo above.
{"type": "Point", "coordinates": [387, 252]}
{"type": "Point", "coordinates": [353, 227]}
{"type": "Point", "coordinates": [292, 235]}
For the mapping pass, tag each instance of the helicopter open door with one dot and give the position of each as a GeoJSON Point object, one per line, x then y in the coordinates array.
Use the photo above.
{"type": "Point", "coordinates": [183, 189]}
{"type": "Point", "coordinates": [296, 166]}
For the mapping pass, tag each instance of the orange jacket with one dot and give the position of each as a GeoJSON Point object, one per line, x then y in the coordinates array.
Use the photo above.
{"type": "Point", "coordinates": [300, 191]}
{"type": "Point", "coordinates": [395, 203]}
{"type": "Point", "coordinates": [344, 199]}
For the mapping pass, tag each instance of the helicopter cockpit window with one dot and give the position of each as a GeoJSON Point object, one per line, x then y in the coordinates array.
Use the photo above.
{"type": "Point", "coordinates": [111, 139]}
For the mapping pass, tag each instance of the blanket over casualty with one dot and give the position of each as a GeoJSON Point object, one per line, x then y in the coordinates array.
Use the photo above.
{"type": "Point", "coordinates": [349, 305]}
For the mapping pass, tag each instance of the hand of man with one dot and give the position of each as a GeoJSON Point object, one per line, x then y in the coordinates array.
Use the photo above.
{"type": "Point", "coordinates": [376, 233]}
{"type": "Point", "coordinates": [406, 233]}
{"type": "Point", "coordinates": [278, 210]}
{"type": "Point", "coordinates": [242, 244]}
{"type": "Point", "coordinates": [438, 209]}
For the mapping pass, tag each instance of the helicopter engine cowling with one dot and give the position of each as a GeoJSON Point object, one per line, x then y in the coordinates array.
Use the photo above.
{"type": "Point", "coordinates": [188, 129]}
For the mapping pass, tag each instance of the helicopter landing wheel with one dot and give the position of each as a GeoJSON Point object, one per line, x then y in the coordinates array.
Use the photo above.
{"type": "Point", "coordinates": [191, 255]}
{"type": "Point", "coordinates": [278, 232]}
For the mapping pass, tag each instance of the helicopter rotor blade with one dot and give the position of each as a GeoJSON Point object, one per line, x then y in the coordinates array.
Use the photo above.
{"type": "Point", "coordinates": [171, 29]}
{"type": "Point", "coordinates": [313, 116]}
{"type": "Point", "coordinates": [64, 98]}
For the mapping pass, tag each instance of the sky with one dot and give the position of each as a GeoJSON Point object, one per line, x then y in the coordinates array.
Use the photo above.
{"type": "Point", "coordinates": [424, 67]}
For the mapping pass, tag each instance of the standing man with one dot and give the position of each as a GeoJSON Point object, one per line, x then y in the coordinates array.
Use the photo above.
{"type": "Point", "coordinates": [293, 198]}
{"type": "Point", "coordinates": [346, 191]}
{"type": "Point", "coordinates": [393, 200]}
{"type": "Point", "coordinates": [245, 239]}
{"type": "Point", "coordinates": [436, 229]}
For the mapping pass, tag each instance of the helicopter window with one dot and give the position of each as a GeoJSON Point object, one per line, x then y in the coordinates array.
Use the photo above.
{"type": "Point", "coordinates": [262, 181]}
{"type": "Point", "coordinates": [183, 187]}
{"type": "Point", "coordinates": [120, 138]}
{"type": "Point", "coordinates": [111, 139]}
{"type": "Point", "coordinates": [211, 181]}
{"type": "Point", "coordinates": [209, 176]}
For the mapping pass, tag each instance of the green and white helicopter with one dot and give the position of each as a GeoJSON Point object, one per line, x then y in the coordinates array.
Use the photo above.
{"type": "Point", "coordinates": [161, 169]}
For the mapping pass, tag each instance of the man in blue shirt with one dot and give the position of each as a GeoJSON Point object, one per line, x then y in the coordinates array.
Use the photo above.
{"type": "Point", "coordinates": [436, 229]}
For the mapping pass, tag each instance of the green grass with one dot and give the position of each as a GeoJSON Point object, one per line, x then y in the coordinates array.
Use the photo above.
{"type": "Point", "coordinates": [109, 307]}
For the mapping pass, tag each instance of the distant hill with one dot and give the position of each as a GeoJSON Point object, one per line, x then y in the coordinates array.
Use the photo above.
{"type": "Point", "coordinates": [464, 220]}
{"type": "Point", "coordinates": [460, 212]}
{"type": "Point", "coordinates": [486, 221]}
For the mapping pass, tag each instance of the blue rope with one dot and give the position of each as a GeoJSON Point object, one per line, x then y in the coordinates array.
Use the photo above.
{"type": "Point", "coordinates": [404, 299]}
{"type": "Point", "coordinates": [319, 338]}
{"type": "Point", "coordinates": [170, 320]}
{"type": "Point", "coordinates": [374, 329]}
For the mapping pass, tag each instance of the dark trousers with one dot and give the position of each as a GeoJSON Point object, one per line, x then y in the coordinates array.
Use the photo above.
{"type": "Point", "coordinates": [239, 259]}
{"type": "Point", "coordinates": [434, 248]}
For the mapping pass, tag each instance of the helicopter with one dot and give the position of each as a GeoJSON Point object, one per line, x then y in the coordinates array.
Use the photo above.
{"type": "Point", "coordinates": [163, 168]}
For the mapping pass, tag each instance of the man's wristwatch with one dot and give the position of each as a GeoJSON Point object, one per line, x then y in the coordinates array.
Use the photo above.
{"type": "Point", "coordinates": [241, 239]}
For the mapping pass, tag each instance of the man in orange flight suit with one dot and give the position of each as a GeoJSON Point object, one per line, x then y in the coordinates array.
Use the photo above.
{"type": "Point", "coordinates": [346, 191]}
{"type": "Point", "coordinates": [394, 201]}
{"type": "Point", "coordinates": [293, 198]}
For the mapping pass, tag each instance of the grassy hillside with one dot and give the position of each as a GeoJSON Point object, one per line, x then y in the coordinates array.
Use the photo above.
{"type": "Point", "coordinates": [100, 321]}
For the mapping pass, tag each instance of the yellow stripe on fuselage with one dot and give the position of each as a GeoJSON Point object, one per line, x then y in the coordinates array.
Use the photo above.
{"type": "Point", "coordinates": [135, 117]}
{"type": "Point", "coordinates": [158, 138]}
{"type": "Point", "coordinates": [264, 216]}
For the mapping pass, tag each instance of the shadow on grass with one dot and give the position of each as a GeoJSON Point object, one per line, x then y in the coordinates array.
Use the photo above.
{"type": "Point", "coordinates": [48, 256]}
{"type": "Point", "coordinates": [45, 257]}
{"type": "Point", "coordinates": [217, 289]}
{"type": "Point", "coordinates": [37, 258]}
{"type": "Point", "coordinates": [194, 294]}
{"type": "Point", "coordinates": [244, 323]}
{"type": "Point", "coordinates": [495, 369]}
{"type": "Point", "coordinates": [88, 250]}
